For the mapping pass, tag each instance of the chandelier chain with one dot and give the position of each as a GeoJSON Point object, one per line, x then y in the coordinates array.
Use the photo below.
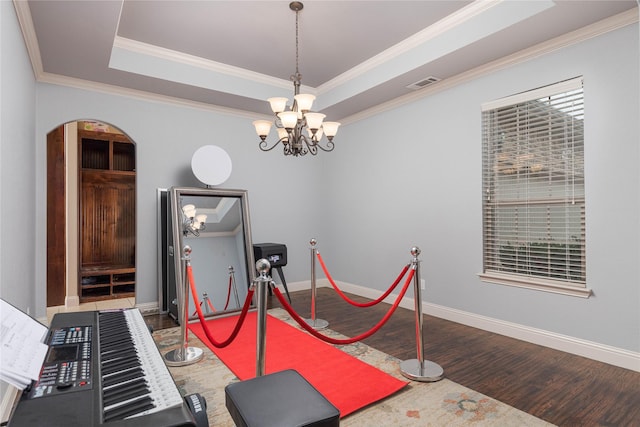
{"type": "Point", "coordinates": [297, 70]}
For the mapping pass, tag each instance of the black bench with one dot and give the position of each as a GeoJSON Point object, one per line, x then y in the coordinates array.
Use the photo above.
{"type": "Point", "coordinates": [281, 399]}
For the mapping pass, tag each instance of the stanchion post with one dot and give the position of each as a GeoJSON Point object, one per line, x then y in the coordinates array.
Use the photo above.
{"type": "Point", "coordinates": [261, 283]}
{"type": "Point", "coordinates": [205, 301]}
{"type": "Point", "coordinates": [184, 355]}
{"type": "Point", "coordinates": [419, 369]}
{"type": "Point", "coordinates": [233, 283]}
{"type": "Point", "coordinates": [313, 321]}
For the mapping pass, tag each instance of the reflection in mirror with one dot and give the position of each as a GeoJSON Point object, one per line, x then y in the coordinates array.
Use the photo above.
{"type": "Point", "coordinates": [214, 223]}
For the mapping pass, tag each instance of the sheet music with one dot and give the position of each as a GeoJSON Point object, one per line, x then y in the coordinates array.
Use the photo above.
{"type": "Point", "coordinates": [22, 350]}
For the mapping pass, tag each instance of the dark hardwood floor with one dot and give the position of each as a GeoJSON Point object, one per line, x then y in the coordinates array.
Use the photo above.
{"type": "Point", "coordinates": [558, 387]}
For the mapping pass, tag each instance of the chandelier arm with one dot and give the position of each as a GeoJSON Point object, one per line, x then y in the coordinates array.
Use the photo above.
{"type": "Point", "coordinates": [310, 144]}
{"type": "Point", "coordinates": [308, 141]}
{"type": "Point", "coordinates": [278, 122]}
{"type": "Point", "coordinates": [264, 145]}
{"type": "Point", "coordinates": [188, 230]}
{"type": "Point", "coordinates": [330, 146]}
{"type": "Point", "coordinates": [300, 142]}
{"type": "Point", "coordinates": [315, 144]}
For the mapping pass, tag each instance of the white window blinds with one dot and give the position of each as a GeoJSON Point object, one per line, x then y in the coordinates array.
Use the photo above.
{"type": "Point", "coordinates": [533, 185]}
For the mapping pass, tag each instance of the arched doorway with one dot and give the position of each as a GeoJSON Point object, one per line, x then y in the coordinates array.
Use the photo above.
{"type": "Point", "coordinates": [91, 194]}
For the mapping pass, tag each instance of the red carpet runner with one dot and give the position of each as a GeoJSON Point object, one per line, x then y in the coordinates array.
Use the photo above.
{"type": "Point", "coordinates": [345, 381]}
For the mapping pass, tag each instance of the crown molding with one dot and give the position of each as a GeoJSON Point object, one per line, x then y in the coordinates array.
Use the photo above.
{"type": "Point", "coordinates": [25, 21]}
{"type": "Point", "coordinates": [602, 27]}
{"type": "Point", "coordinates": [446, 24]}
{"type": "Point", "coordinates": [147, 49]}
{"type": "Point", "coordinates": [470, 24]}
{"type": "Point", "coordinates": [599, 28]}
{"type": "Point", "coordinates": [76, 83]}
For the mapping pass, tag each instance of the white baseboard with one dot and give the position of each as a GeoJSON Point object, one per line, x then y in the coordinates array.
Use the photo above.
{"type": "Point", "coordinates": [304, 285]}
{"type": "Point", "coordinates": [72, 301]}
{"type": "Point", "coordinates": [148, 308]}
{"type": "Point", "coordinates": [592, 350]}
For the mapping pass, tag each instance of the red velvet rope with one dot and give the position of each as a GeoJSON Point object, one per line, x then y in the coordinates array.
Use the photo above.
{"type": "Point", "coordinates": [211, 305]}
{"type": "Point", "coordinates": [226, 304]}
{"type": "Point", "coordinates": [330, 340]}
{"type": "Point", "coordinates": [213, 309]}
{"type": "Point", "coordinates": [205, 328]}
{"type": "Point", "coordinates": [355, 303]}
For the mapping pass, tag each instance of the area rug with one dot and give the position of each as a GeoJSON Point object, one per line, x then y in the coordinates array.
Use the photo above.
{"type": "Point", "coordinates": [344, 380]}
{"type": "Point", "coordinates": [443, 403]}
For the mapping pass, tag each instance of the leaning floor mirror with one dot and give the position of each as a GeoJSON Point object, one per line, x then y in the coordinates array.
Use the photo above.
{"type": "Point", "coordinates": [213, 224]}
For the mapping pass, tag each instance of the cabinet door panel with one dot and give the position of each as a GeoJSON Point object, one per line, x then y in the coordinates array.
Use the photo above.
{"type": "Point", "coordinates": [108, 224]}
{"type": "Point", "coordinates": [107, 215]}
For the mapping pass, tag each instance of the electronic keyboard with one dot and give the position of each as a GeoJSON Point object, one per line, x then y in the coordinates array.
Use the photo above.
{"type": "Point", "coordinates": [102, 369]}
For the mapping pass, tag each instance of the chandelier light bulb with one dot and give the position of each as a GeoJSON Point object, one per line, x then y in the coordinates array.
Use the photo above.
{"type": "Point", "coordinates": [202, 218]}
{"type": "Point", "coordinates": [289, 119]}
{"type": "Point", "coordinates": [189, 211]}
{"type": "Point", "coordinates": [278, 105]}
{"type": "Point", "coordinates": [314, 120]}
{"type": "Point", "coordinates": [262, 128]}
{"type": "Point", "coordinates": [304, 101]}
{"type": "Point", "coordinates": [283, 135]}
{"type": "Point", "coordinates": [330, 128]}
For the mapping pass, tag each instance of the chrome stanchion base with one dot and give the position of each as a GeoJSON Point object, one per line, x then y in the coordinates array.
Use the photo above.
{"type": "Point", "coordinates": [191, 355]}
{"type": "Point", "coordinates": [428, 372]}
{"type": "Point", "coordinates": [317, 324]}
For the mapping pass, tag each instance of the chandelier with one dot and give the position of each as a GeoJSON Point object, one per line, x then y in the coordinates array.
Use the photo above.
{"type": "Point", "coordinates": [299, 129]}
{"type": "Point", "coordinates": [191, 222]}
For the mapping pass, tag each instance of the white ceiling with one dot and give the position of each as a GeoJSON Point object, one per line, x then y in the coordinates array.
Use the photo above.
{"type": "Point", "coordinates": [354, 55]}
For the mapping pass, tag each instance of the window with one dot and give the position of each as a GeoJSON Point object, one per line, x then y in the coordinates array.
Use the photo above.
{"type": "Point", "coordinates": [533, 190]}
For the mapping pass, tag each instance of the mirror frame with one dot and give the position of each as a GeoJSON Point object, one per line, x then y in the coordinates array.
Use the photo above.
{"type": "Point", "coordinates": [176, 211]}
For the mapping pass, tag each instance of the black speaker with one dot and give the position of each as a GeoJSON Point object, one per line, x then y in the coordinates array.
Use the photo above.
{"type": "Point", "coordinates": [275, 253]}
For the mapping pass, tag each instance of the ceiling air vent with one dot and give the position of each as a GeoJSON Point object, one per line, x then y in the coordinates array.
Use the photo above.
{"type": "Point", "coordinates": [423, 83]}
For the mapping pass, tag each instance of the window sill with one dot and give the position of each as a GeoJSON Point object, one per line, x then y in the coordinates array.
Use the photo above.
{"type": "Point", "coordinates": [537, 284]}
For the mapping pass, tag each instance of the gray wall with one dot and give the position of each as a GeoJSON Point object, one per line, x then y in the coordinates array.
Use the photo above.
{"type": "Point", "coordinates": [17, 151]}
{"type": "Point", "coordinates": [418, 182]}
{"type": "Point", "coordinates": [17, 174]}
{"type": "Point", "coordinates": [384, 189]}
{"type": "Point", "coordinates": [166, 136]}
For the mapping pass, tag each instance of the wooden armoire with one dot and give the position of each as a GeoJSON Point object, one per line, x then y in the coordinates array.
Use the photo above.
{"type": "Point", "coordinates": [107, 216]}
